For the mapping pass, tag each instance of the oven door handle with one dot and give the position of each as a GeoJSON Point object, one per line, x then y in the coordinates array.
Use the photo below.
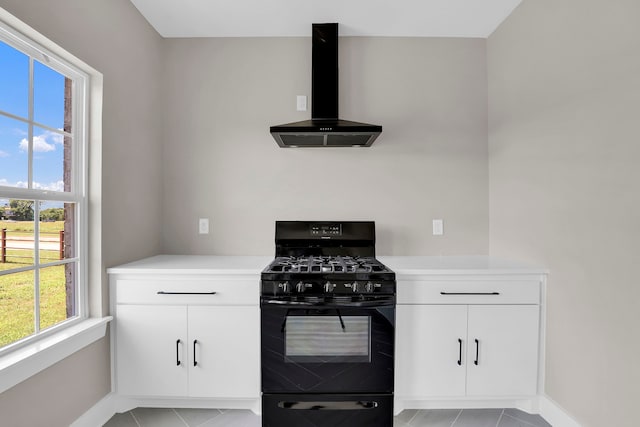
{"type": "Point", "coordinates": [346, 405]}
{"type": "Point", "coordinates": [354, 304]}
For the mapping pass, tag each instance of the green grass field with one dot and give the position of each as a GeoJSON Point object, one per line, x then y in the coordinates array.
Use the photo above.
{"type": "Point", "coordinates": [27, 226]}
{"type": "Point", "coordinates": [17, 289]}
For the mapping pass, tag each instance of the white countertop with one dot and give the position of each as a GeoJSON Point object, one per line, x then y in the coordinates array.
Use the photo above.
{"type": "Point", "coordinates": [195, 264]}
{"type": "Point", "coordinates": [211, 264]}
{"type": "Point", "coordinates": [457, 265]}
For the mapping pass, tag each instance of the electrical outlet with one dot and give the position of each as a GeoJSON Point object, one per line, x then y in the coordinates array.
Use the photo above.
{"type": "Point", "coordinates": [301, 103]}
{"type": "Point", "coordinates": [203, 226]}
{"type": "Point", "coordinates": [438, 227]}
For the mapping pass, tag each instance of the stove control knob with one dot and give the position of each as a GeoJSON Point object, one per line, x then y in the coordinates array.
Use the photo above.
{"type": "Point", "coordinates": [284, 287]}
{"type": "Point", "coordinates": [369, 287]}
{"type": "Point", "coordinates": [354, 287]}
{"type": "Point", "coordinates": [329, 287]}
{"type": "Point", "coordinates": [300, 287]}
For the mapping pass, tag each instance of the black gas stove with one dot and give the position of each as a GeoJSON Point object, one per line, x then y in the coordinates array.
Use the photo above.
{"type": "Point", "coordinates": [328, 318]}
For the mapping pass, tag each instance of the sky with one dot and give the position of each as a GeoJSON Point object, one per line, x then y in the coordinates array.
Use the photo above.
{"type": "Point", "coordinates": [48, 109]}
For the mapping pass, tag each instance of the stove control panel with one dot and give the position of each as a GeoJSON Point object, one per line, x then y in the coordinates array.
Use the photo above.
{"type": "Point", "coordinates": [333, 287]}
{"type": "Point", "coordinates": [328, 230]}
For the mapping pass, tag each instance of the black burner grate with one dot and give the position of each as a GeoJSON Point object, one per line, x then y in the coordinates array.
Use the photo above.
{"type": "Point", "coordinates": [326, 264]}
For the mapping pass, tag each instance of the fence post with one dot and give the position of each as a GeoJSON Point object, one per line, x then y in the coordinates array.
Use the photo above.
{"type": "Point", "coordinates": [61, 244]}
{"type": "Point", "coordinates": [3, 245]}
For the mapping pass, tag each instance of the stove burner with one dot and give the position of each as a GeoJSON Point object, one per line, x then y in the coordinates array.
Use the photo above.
{"type": "Point", "coordinates": [325, 264]}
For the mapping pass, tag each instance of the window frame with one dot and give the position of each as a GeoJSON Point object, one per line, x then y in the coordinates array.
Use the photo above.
{"type": "Point", "coordinates": [81, 87]}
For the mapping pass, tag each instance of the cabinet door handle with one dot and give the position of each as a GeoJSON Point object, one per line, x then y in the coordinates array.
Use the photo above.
{"type": "Point", "coordinates": [460, 353]}
{"type": "Point", "coordinates": [178, 353]}
{"type": "Point", "coordinates": [477, 351]}
{"type": "Point", "coordinates": [195, 362]}
{"type": "Point", "coordinates": [469, 293]}
{"type": "Point", "coordinates": [185, 293]}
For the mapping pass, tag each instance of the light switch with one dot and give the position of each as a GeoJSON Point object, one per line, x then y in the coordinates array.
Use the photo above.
{"type": "Point", "coordinates": [438, 227]}
{"type": "Point", "coordinates": [203, 225]}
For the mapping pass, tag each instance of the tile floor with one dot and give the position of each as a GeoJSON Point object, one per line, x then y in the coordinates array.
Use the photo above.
{"type": "Point", "coordinates": [161, 417]}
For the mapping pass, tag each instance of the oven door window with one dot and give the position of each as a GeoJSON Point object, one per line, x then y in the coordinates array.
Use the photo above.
{"type": "Point", "coordinates": [327, 339]}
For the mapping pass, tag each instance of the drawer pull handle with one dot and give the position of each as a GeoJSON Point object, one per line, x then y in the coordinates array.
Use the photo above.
{"type": "Point", "coordinates": [469, 293]}
{"type": "Point", "coordinates": [460, 354]}
{"type": "Point", "coordinates": [178, 353]}
{"type": "Point", "coordinates": [185, 293]}
{"type": "Point", "coordinates": [477, 351]}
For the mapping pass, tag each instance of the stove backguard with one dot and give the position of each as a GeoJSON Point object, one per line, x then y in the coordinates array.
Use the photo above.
{"type": "Point", "coordinates": [325, 238]}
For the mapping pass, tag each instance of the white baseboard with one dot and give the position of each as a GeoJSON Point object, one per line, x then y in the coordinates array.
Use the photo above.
{"type": "Point", "coordinates": [554, 414]}
{"type": "Point", "coordinates": [127, 403]}
{"type": "Point", "coordinates": [529, 405]}
{"type": "Point", "coordinates": [98, 414]}
{"type": "Point", "coordinates": [112, 404]}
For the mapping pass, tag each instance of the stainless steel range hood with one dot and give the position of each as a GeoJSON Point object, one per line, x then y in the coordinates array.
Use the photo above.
{"type": "Point", "coordinates": [325, 129]}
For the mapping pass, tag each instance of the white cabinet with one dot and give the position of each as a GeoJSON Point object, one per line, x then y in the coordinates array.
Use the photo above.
{"type": "Point", "coordinates": [226, 351]}
{"type": "Point", "coordinates": [427, 350]}
{"type": "Point", "coordinates": [187, 338]}
{"type": "Point", "coordinates": [502, 350]}
{"type": "Point", "coordinates": [465, 339]}
{"type": "Point", "coordinates": [151, 350]}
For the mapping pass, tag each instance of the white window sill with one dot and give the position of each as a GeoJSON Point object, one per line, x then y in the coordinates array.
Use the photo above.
{"type": "Point", "coordinates": [27, 361]}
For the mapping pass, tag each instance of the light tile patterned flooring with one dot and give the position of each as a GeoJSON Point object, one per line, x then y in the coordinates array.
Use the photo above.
{"type": "Point", "coordinates": [161, 417]}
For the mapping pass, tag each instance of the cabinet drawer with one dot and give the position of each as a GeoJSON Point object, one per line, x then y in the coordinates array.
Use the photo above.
{"type": "Point", "coordinates": [469, 292]}
{"type": "Point", "coordinates": [190, 292]}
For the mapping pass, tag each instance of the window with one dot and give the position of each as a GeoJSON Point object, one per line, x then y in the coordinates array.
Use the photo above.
{"type": "Point", "coordinates": [43, 207]}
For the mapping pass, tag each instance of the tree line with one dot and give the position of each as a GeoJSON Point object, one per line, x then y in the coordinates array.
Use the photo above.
{"type": "Point", "coordinates": [22, 210]}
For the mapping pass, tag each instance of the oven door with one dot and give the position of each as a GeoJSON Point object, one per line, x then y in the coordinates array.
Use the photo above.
{"type": "Point", "coordinates": [311, 346]}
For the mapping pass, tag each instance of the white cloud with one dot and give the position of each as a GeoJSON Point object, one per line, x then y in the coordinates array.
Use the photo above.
{"type": "Point", "coordinates": [5, 182]}
{"type": "Point", "coordinates": [56, 137]}
{"type": "Point", "coordinates": [43, 143]}
{"type": "Point", "coordinates": [40, 144]}
{"type": "Point", "coordinates": [52, 186]}
{"type": "Point", "coordinates": [3, 154]}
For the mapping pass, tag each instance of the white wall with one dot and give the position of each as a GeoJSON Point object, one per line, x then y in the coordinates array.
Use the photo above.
{"type": "Point", "coordinates": [112, 37]}
{"type": "Point", "coordinates": [564, 91]}
{"type": "Point", "coordinates": [220, 161]}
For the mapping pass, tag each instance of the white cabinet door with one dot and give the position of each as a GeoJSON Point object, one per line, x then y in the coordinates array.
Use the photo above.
{"type": "Point", "coordinates": [507, 350]}
{"type": "Point", "coordinates": [151, 350]}
{"type": "Point", "coordinates": [227, 351]}
{"type": "Point", "coordinates": [428, 350]}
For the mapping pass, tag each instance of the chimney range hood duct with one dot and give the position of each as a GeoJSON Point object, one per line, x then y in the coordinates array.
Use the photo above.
{"type": "Point", "coordinates": [325, 129]}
